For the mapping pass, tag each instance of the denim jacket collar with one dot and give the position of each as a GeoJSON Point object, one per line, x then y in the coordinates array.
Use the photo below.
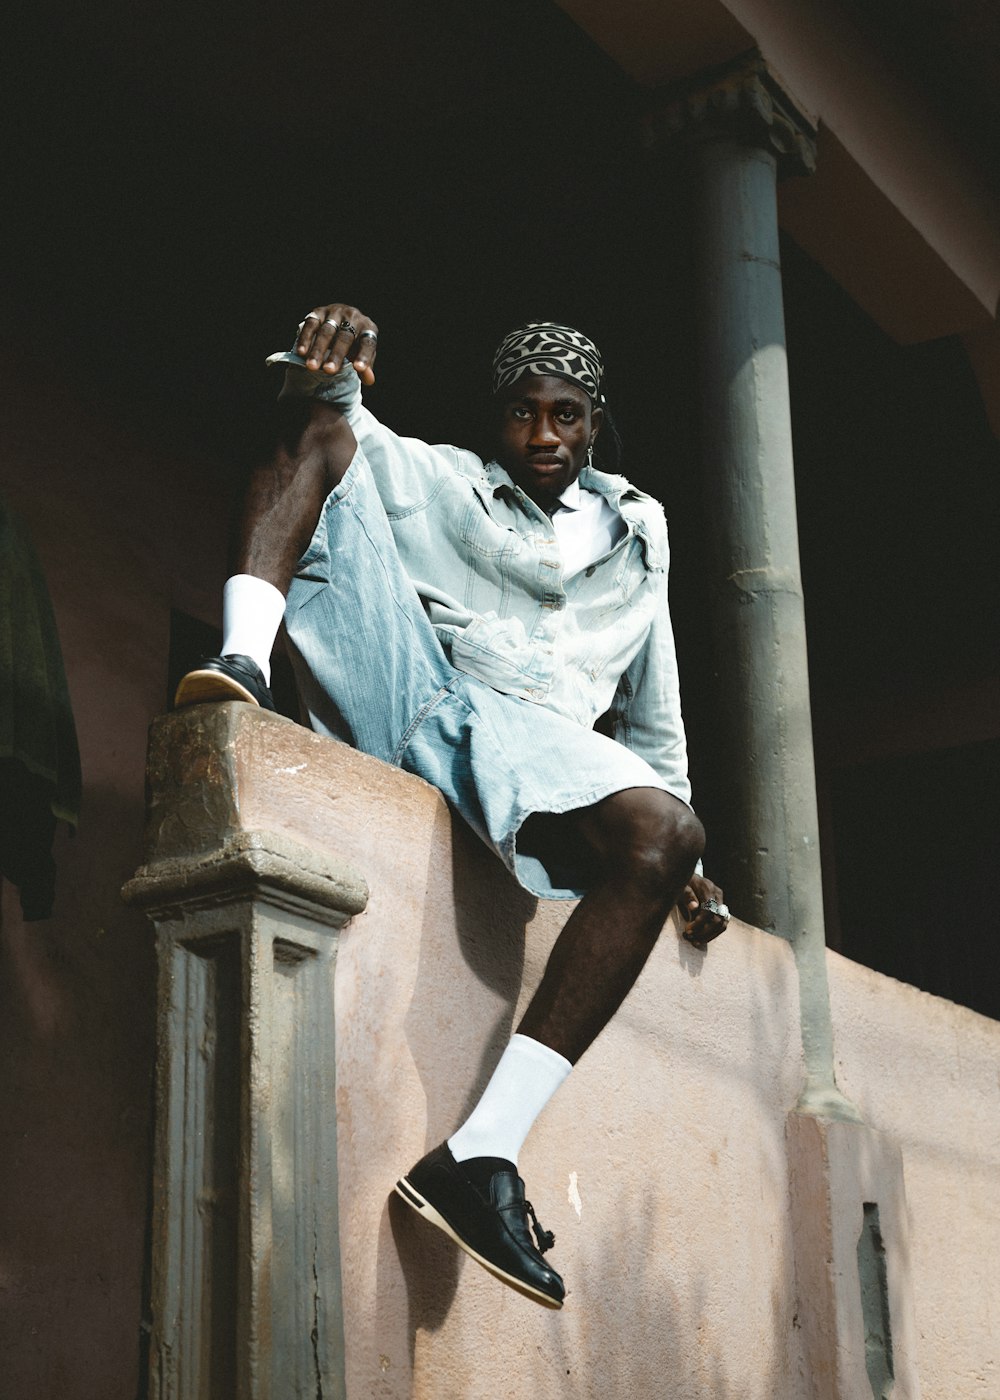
{"type": "Point", "coordinates": [620, 494]}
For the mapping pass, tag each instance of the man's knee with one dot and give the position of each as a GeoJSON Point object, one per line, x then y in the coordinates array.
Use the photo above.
{"type": "Point", "coordinates": [651, 839]}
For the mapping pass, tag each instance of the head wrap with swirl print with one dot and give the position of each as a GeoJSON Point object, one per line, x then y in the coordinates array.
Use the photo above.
{"type": "Point", "coordinates": [542, 347]}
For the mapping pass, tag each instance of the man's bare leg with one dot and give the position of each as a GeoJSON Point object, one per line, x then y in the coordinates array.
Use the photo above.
{"type": "Point", "coordinates": [314, 448]}
{"type": "Point", "coordinates": [648, 843]}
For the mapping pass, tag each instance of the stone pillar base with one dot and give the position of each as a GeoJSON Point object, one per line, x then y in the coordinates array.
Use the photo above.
{"type": "Point", "coordinates": [246, 1288]}
{"type": "Point", "coordinates": [852, 1262]}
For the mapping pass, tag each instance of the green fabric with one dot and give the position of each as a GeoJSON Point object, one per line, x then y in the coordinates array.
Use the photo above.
{"type": "Point", "coordinates": [36, 717]}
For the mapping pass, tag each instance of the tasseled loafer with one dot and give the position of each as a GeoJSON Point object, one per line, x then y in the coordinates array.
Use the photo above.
{"type": "Point", "coordinates": [480, 1204]}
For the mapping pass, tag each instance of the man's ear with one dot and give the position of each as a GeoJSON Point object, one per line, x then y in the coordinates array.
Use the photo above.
{"type": "Point", "coordinates": [596, 419]}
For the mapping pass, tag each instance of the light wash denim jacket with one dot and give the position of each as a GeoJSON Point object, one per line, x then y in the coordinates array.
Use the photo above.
{"type": "Point", "coordinates": [484, 559]}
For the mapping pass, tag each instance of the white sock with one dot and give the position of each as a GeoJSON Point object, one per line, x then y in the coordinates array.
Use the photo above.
{"type": "Point", "coordinates": [527, 1076]}
{"type": "Point", "coordinates": [252, 610]}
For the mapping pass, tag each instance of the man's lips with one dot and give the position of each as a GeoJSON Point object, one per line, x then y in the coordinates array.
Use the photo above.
{"type": "Point", "coordinates": [546, 462]}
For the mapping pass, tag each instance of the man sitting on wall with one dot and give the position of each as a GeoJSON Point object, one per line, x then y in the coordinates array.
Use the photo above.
{"type": "Point", "coordinates": [469, 622]}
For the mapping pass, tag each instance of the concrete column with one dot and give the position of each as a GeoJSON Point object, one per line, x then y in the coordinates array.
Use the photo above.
{"type": "Point", "coordinates": [741, 130]}
{"type": "Point", "coordinates": [246, 1291]}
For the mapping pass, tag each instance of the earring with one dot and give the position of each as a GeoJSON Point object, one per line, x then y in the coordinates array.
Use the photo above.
{"type": "Point", "coordinates": [590, 456]}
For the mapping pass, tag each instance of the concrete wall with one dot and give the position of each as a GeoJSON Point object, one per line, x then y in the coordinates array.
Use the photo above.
{"type": "Point", "coordinates": [927, 1073]}
{"type": "Point", "coordinates": [660, 1167]}
{"type": "Point", "coordinates": [123, 533]}
{"type": "Point", "coordinates": [707, 1235]}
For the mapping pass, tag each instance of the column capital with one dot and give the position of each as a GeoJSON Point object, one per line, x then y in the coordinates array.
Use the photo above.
{"type": "Point", "coordinates": [743, 100]}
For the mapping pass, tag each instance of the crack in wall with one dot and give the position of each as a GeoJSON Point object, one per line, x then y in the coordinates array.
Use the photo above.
{"type": "Point", "coordinates": [314, 1334]}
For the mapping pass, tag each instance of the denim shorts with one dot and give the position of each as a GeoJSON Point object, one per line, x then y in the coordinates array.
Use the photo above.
{"type": "Point", "coordinates": [372, 672]}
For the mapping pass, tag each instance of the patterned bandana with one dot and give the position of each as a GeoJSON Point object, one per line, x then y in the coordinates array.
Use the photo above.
{"type": "Point", "coordinates": [541, 347]}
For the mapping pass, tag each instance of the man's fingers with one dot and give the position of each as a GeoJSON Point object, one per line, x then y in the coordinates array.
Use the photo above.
{"type": "Point", "coordinates": [689, 903]}
{"type": "Point", "coordinates": [365, 349]}
{"type": "Point", "coordinates": [317, 332]}
{"type": "Point", "coordinates": [310, 325]}
{"type": "Point", "coordinates": [329, 345]}
{"type": "Point", "coordinates": [704, 926]}
{"type": "Point", "coordinates": [332, 334]}
{"type": "Point", "coordinates": [316, 342]}
{"type": "Point", "coordinates": [319, 346]}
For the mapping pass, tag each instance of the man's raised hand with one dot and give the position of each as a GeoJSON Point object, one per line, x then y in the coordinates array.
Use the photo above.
{"type": "Point", "coordinates": [335, 334]}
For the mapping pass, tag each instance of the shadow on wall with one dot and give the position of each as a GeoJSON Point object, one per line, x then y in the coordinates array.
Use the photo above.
{"type": "Point", "coordinates": [491, 915]}
{"type": "Point", "coordinates": [77, 997]}
{"type": "Point", "coordinates": [688, 1247]}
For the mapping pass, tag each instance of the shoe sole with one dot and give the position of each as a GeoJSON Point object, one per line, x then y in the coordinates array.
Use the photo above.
{"type": "Point", "coordinates": [197, 687]}
{"type": "Point", "coordinates": [408, 1192]}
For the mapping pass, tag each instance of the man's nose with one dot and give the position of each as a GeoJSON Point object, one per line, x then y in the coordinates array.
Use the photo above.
{"type": "Point", "coordinates": [544, 430]}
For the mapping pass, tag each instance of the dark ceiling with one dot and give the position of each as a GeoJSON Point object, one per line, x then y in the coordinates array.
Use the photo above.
{"type": "Point", "coordinates": [185, 179]}
{"type": "Point", "coordinates": [950, 51]}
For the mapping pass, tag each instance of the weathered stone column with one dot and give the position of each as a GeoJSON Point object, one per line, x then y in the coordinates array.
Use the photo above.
{"type": "Point", "coordinates": [741, 130]}
{"type": "Point", "coordinates": [246, 1292]}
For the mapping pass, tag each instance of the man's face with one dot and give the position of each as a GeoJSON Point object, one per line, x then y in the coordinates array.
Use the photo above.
{"type": "Point", "coordinates": [545, 426]}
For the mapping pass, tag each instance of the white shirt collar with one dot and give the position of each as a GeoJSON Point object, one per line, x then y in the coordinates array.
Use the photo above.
{"type": "Point", "coordinates": [572, 497]}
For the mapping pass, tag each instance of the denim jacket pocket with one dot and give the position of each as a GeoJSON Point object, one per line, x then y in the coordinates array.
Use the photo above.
{"type": "Point", "coordinates": [481, 532]}
{"type": "Point", "coordinates": [495, 650]}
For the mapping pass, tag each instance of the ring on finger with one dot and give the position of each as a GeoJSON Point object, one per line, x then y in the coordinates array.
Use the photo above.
{"type": "Point", "coordinates": [346, 326]}
{"type": "Point", "coordinates": [712, 906]}
{"type": "Point", "coordinates": [369, 334]}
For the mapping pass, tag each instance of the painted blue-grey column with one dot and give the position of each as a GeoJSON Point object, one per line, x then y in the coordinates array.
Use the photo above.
{"type": "Point", "coordinates": [739, 130]}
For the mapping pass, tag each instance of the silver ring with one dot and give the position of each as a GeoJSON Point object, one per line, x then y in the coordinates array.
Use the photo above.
{"type": "Point", "coordinates": [346, 326]}
{"type": "Point", "coordinates": [312, 316]}
{"type": "Point", "coordinates": [370, 334]}
{"type": "Point", "coordinates": [330, 322]}
{"type": "Point", "coordinates": [712, 906]}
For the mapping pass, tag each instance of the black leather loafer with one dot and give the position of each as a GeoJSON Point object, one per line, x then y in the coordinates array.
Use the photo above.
{"type": "Point", "coordinates": [224, 678]}
{"type": "Point", "coordinates": [481, 1205]}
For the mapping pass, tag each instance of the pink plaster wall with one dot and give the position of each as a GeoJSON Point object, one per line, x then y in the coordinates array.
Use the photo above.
{"type": "Point", "coordinates": [123, 533]}
{"type": "Point", "coordinates": [661, 1165]}
{"type": "Point", "coordinates": [927, 1073]}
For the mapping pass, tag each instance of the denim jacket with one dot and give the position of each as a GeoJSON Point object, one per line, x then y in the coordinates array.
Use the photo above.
{"type": "Point", "coordinates": [485, 561]}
